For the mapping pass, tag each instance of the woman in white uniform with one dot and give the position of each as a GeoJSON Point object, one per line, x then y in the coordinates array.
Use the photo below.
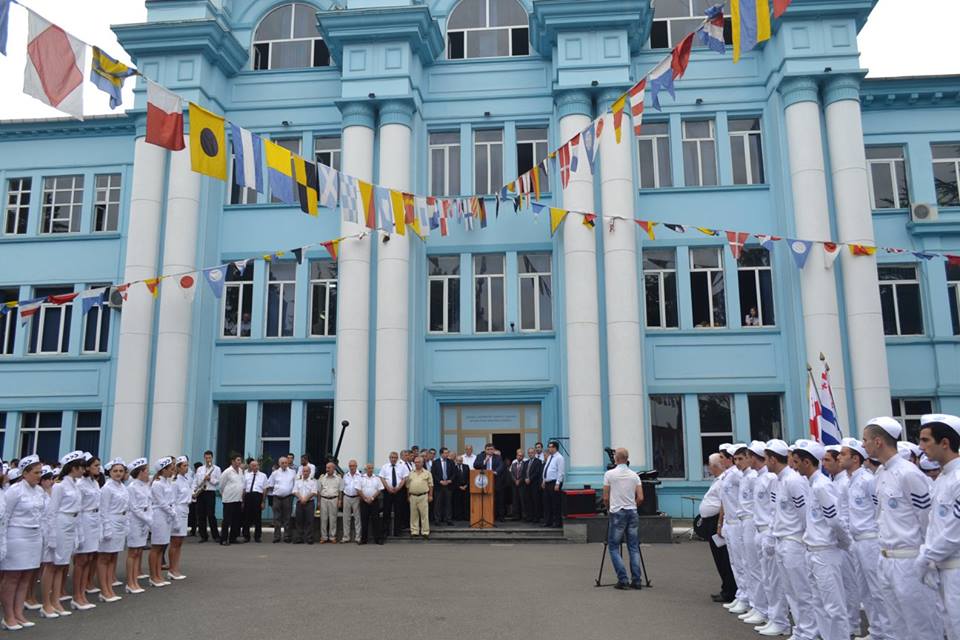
{"type": "Point", "coordinates": [46, 484]}
{"type": "Point", "coordinates": [20, 549]}
{"type": "Point", "coordinates": [84, 560]}
{"type": "Point", "coordinates": [114, 500]}
{"type": "Point", "coordinates": [183, 497]}
{"type": "Point", "coordinates": [95, 473]}
{"type": "Point", "coordinates": [62, 531]}
{"type": "Point", "coordinates": [139, 519]}
{"type": "Point", "coordinates": [163, 493]}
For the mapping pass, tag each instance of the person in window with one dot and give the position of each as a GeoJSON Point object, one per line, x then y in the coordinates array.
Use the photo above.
{"type": "Point", "coordinates": [751, 319]}
{"type": "Point", "coordinates": [245, 324]}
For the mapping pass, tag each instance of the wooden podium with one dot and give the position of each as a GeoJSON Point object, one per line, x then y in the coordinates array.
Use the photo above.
{"type": "Point", "coordinates": [481, 499]}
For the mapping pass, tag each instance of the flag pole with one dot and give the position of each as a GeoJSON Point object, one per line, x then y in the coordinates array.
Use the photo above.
{"type": "Point", "coordinates": [816, 390]}
{"type": "Point", "coordinates": [826, 369]}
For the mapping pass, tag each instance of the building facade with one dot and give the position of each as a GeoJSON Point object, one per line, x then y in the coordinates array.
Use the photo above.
{"type": "Point", "coordinates": [600, 337]}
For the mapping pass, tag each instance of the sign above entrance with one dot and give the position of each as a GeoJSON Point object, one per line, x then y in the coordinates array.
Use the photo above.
{"type": "Point", "coordinates": [490, 418]}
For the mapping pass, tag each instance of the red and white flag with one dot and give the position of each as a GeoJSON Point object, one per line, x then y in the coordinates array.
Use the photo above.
{"type": "Point", "coordinates": [636, 94]}
{"type": "Point", "coordinates": [54, 70]}
{"type": "Point", "coordinates": [164, 117]}
{"type": "Point", "coordinates": [736, 240]}
{"type": "Point", "coordinates": [830, 252]}
{"type": "Point", "coordinates": [188, 287]}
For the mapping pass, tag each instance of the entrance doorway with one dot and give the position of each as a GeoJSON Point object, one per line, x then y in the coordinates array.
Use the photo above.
{"type": "Point", "coordinates": [507, 444]}
{"type": "Point", "coordinates": [508, 426]}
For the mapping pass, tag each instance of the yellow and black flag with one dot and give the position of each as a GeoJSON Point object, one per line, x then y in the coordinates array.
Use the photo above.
{"type": "Point", "coordinates": [208, 149]}
{"type": "Point", "coordinates": [308, 184]}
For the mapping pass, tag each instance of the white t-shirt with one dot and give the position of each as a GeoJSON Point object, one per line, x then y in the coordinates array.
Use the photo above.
{"type": "Point", "coordinates": [623, 488]}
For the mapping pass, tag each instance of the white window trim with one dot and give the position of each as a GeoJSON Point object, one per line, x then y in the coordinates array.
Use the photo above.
{"type": "Point", "coordinates": [655, 141]}
{"type": "Point", "coordinates": [282, 285]}
{"type": "Point", "coordinates": [756, 283]}
{"type": "Point", "coordinates": [661, 275]}
{"type": "Point", "coordinates": [41, 318]}
{"type": "Point", "coordinates": [19, 207]}
{"type": "Point", "coordinates": [7, 321]}
{"type": "Point", "coordinates": [271, 42]}
{"type": "Point", "coordinates": [699, 142]}
{"type": "Point", "coordinates": [894, 284]}
{"type": "Point", "coordinates": [445, 279]}
{"type": "Point", "coordinates": [228, 285]}
{"type": "Point", "coordinates": [489, 277]}
{"type": "Point", "coordinates": [490, 188]}
{"type": "Point", "coordinates": [891, 169]}
{"type": "Point", "coordinates": [74, 190]}
{"type": "Point", "coordinates": [536, 277]}
{"type": "Point", "coordinates": [748, 153]}
{"type": "Point", "coordinates": [901, 415]}
{"type": "Point", "coordinates": [953, 291]}
{"type": "Point", "coordinates": [336, 155]}
{"type": "Point", "coordinates": [35, 429]}
{"type": "Point", "coordinates": [102, 197]}
{"type": "Point", "coordinates": [464, 30]}
{"type": "Point", "coordinates": [328, 284]}
{"type": "Point", "coordinates": [100, 310]}
{"type": "Point", "coordinates": [709, 271]}
{"type": "Point", "coordinates": [446, 147]}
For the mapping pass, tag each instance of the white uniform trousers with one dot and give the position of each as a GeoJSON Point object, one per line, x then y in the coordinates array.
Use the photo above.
{"type": "Point", "coordinates": [751, 566]}
{"type": "Point", "coordinates": [867, 556]}
{"type": "Point", "coordinates": [351, 513]}
{"type": "Point", "coordinates": [732, 533]}
{"type": "Point", "coordinates": [950, 592]}
{"type": "Point", "coordinates": [912, 604]}
{"type": "Point", "coordinates": [328, 519]}
{"type": "Point", "coordinates": [830, 606]}
{"type": "Point", "coordinates": [853, 588]}
{"type": "Point", "coordinates": [772, 582]}
{"type": "Point", "coordinates": [792, 563]}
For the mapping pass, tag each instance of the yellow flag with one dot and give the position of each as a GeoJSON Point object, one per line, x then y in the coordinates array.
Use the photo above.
{"type": "Point", "coordinates": [208, 149]}
{"type": "Point", "coordinates": [556, 217]}
{"type": "Point", "coordinates": [617, 109]}
{"type": "Point", "coordinates": [396, 203]}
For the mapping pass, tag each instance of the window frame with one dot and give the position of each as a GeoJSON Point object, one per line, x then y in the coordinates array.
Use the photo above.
{"type": "Point", "coordinates": [446, 147]}
{"type": "Point", "coordinates": [895, 285]}
{"type": "Point", "coordinates": [537, 144]}
{"type": "Point", "coordinates": [714, 434]}
{"type": "Point", "coordinates": [328, 284]}
{"type": "Point", "coordinates": [19, 211]}
{"type": "Point", "coordinates": [447, 307]}
{"type": "Point", "coordinates": [508, 28]}
{"type": "Point", "coordinates": [954, 162]}
{"type": "Point", "coordinates": [66, 314]}
{"type": "Point", "coordinates": [282, 284]}
{"type": "Point", "coordinates": [101, 342]}
{"type": "Point", "coordinates": [86, 429]}
{"type": "Point", "coordinates": [680, 431]}
{"type": "Point", "coordinates": [709, 270]}
{"type": "Point", "coordinates": [492, 187]}
{"type": "Point", "coordinates": [488, 278]}
{"type": "Point", "coordinates": [336, 155]}
{"type": "Point", "coordinates": [241, 284]}
{"type": "Point", "coordinates": [36, 430]}
{"type": "Point", "coordinates": [901, 415]}
{"type": "Point", "coordinates": [655, 140]}
{"type": "Point", "coordinates": [892, 170]}
{"type": "Point", "coordinates": [755, 270]}
{"type": "Point", "coordinates": [288, 438]}
{"type": "Point", "coordinates": [47, 210]}
{"type": "Point", "coordinates": [747, 150]}
{"type": "Point", "coordinates": [254, 53]}
{"type": "Point", "coordinates": [102, 197]}
{"type": "Point", "coordinates": [537, 277]}
{"type": "Point", "coordinates": [953, 295]}
{"type": "Point", "coordinates": [699, 142]}
{"type": "Point", "coordinates": [8, 325]}
{"type": "Point", "coordinates": [694, 12]}
{"type": "Point", "coordinates": [661, 275]}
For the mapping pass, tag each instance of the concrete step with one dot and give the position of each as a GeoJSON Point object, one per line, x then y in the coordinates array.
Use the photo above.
{"type": "Point", "coordinates": [498, 535]}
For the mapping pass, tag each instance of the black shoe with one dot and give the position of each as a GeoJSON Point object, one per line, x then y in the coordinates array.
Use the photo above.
{"type": "Point", "coordinates": [225, 543]}
{"type": "Point", "coordinates": [636, 585]}
{"type": "Point", "coordinates": [274, 542]}
{"type": "Point", "coordinates": [623, 586]}
{"type": "Point", "coordinates": [380, 542]}
{"type": "Point", "coordinates": [202, 540]}
{"type": "Point", "coordinates": [718, 597]}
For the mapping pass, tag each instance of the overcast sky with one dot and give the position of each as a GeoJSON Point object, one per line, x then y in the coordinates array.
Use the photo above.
{"type": "Point", "coordinates": [902, 38]}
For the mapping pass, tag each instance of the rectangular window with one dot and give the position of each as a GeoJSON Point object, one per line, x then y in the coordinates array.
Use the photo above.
{"type": "Point", "coordinates": [323, 298]}
{"type": "Point", "coordinates": [953, 289]}
{"type": "Point", "coordinates": [326, 150]}
{"type": "Point", "coordinates": [654, 146]}
{"type": "Point", "coordinates": [488, 161]}
{"type": "Point", "coordinates": [766, 420]}
{"type": "Point", "coordinates": [946, 168]}
{"type": "Point", "coordinates": [281, 298]}
{"type": "Point", "coordinates": [237, 302]}
{"type": "Point", "coordinates": [8, 322]}
{"type": "Point", "coordinates": [531, 150]}
{"type": "Point", "coordinates": [673, 20]}
{"type": "Point", "coordinates": [666, 421]}
{"type": "Point", "coordinates": [231, 432]}
{"type": "Point", "coordinates": [716, 424]}
{"type": "Point", "coordinates": [707, 287]}
{"type": "Point", "coordinates": [746, 150]}
{"type": "Point", "coordinates": [900, 300]}
{"type": "Point", "coordinates": [293, 146]}
{"type": "Point", "coordinates": [18, 206]}
{"type": "Point", "coordinates": [536, 292]}
{"type": "Point", "coordinates": [699, 153]}
{"type": "Point", "coordinates": [756, 288]}
{"type": "Point", "coordinates": [87, 436]}
{"type": "Point", "coordinates": [106, 203]}
{"type": "Point", "coordinates": [660, 287]}
{"type": "Point", "coordinates": [3, 429]}
{"type": "Point", "coordinates": [274, 429]}
{"type": "Point", "coordinates": [489, 293]}
{"type": "Point", "coordinates": [62, 204]}
{"type": "Point", "coordinates": [445, 164]}
{"type": "Point", "coordinates": [908, 411]}
{"type": "Point", "coordinates": [887, 173]}
{"type": "Point", "coordinates": [443, 282]}
{"type": "Point", "coordinates": [40, 435]}
{"type": "Point", "coordinates": [50, 327]}
{"type": "Point", "coordinates": [319, 432]}
{"type": "Point", "coordinates": [96, 329]}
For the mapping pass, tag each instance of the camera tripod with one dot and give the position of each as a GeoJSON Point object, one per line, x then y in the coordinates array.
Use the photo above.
{"type": "Point", "coordinates": [603, 557]}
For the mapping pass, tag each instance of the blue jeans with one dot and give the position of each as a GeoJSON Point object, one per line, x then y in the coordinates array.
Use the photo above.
{"type": "Point", "coordinates": [626, 521]}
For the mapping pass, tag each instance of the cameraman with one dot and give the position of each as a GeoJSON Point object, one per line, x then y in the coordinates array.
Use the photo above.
{"type": "Point", "coordinates": [622, 492]}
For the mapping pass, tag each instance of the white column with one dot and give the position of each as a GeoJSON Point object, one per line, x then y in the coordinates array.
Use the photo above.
{"type": "Point", "coordinates": [136, 319]}
{"type": "Point", "coordinates": [584, 414]}
{"type": "Point", "coordinates": [175, 325]}
{"type": "Point", "coordinates": [352, 387]}
{"type": "Point", "coordinates": [861, 292]}
{"type": "Point", "coordinates": [818, 286]}
{"type": "Point", "coordinates": [624, 332]}
{"type": "Point", "coordinates": [393, 290]}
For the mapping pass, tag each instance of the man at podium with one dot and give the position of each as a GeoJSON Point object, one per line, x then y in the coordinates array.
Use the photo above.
{"type": "Point", "coordinates": [490, 461]}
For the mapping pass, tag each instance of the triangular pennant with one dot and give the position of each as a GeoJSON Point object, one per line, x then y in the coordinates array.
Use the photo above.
{"type": "Point", "coordinates": [298, 254]}
{"type": "Point", "coordinates": [862, 250]}
{"type": "Point", "coordinates": [923, 255]}
{"type": "Point", "coordinates": [800, 250]}
{"type": "Point", "coordinates": [241, 265]}
{"type": "Point", "coordinates": [62, 298]}
{"type": "Point", "coordinates": [590, 146]}
{"type": "Point", "coordinates": [676, 228]}
{"type": "Point", "coordinates": [589, 220]}
{"type": "Point", "coordinates": [332, 247]}
{"type": "Point", "coordinates": [766, 241]}
{"type": "Point", "coordinates": [153, 286]}
{"type": "Point", "coordinates": [617, 108]}
{"type": "Point", "coordinates": [215, 278]}
{"type": "Point", "coordinates": [556, 218]}
{"type": "Point", "coordinates": [574, 161]}
{"type": "Point", "coordinates": [736, 240]}
{"type": "Point", "coordinates": [648, 226]}
{"type": "Point", "coordinates": [92, 298]}
{"type": "Point", "coordinates": [637, 93]}
{"type": "Point", "coordinates": [707, 232]}
{"type": "Point", "coordinates": [830, 252]}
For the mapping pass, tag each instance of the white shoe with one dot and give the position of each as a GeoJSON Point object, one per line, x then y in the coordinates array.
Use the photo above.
{"type": "Point", "coordinates": [32, 607]}
{"type": "Point", "coordinates": [741, 607]}
{"type": "Point", "coordinates": [866, 637]}
{"type": "Point", "coordinates": [749, 613]}
{"type": "Point", "coordinates": [772, 629]}
{"type": "Point", "coordinates": [116, 583]}
{"type": "Point", "coordinates": [755, 619]}
{"type": "Point", "coordinates": [76, 606]}
{"type": "Point", "coordinates": [135, 591]}
{"type": "Point", "coordinates": [731, 604]}
{"type": "Point", "coordinates": [104, 598]}
{"type": "Point", "coordinates": [94, 590]}
{"type": "Point", "coordinates": [158, 584]}
{"type": "Point", "coordinates": [143, 576]}
{"type": "Point", "coordinates": [173, 577]}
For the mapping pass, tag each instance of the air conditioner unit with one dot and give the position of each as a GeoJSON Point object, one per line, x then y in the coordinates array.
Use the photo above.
{"type": "Point", "coordinates": [115, 299]}
{"type": "Point", "coordinates": [923, 212]}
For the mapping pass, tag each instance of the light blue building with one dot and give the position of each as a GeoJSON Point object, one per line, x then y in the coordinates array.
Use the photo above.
{"type": "Point", "coordinates": [602, 337]}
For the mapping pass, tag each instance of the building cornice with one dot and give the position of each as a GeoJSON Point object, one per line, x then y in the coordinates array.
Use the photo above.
{"type": "Point", "coordinates": [357, 113]}
{"type": "Point", "coordinates": [398, 111]}
{"type": "Point", "coordinates": [796, 89]}
{"type": "Point", "coordinates": [206, 36]}
{"type": "Point", "coordinates": [899, 93]}
{"type": "Point", "coordinates": [109, 125]}
{"type": "Point", "coordinates": [413, 24]}
{"type": "Point", "coordinates": [842, 87]}
{"type": "Point", "coordinates": [550, 17]}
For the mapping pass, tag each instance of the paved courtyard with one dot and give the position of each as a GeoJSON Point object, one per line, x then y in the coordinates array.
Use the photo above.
{"type": "Point", "coordinates": [423, 590]}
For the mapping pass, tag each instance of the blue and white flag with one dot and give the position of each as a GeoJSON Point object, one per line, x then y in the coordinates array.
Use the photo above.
{"type": "Point", "coordinates": [711, 34]}
{"type": "Point", "coordinates": [766, 241]}
{"type": "Point", "coordinates": [800, 250]}
{"type": "Point", "coordinates": [215, 278]}
{"type": "Point", "coordinates": [830, 432]}
{"type": "Point", "coordinates": [384, 207]}
{"type": "Point", "coordinates": [589, 140]}
{"type": "Point", "coordinates": [328, 180]}
{"type": "Point", "coordinates": [350, 199]}
{"type": "Point", "coordinates": [92, 298]}
{"type": "Point", "coordinates": [661, 79]}
{"type": "Point", "coordinates": [4, 24]}
{"type": "Point", "coordinates": [247, 158]}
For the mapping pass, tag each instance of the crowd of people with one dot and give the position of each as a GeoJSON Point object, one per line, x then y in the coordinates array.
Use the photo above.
{"type": "Point", "coordinates": [85, 514]}
{"type": "Point", "coordinates": [807, 536]}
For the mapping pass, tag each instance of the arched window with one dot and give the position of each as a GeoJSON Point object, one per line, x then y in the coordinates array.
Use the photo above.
{"type": "Point", "coordinates": [287, 38]}
{"type": "Point", "coordinates": [487, 29]}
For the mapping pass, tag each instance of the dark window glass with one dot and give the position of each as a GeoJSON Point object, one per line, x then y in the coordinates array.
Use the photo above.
{"type": "Point", "coordinates": [8, 323]}
{"type": "Point", "coordinates": [766, 422]}
{"type": "Point", "coordinates": [319, 433]}
{"type": "Point", "coordinates": [261, 56]}
{"type": "Point", "coordinates": [276, 420]}
{"type": "Point", "coordinates": [520, 38]}
{"type": "Point", "coordinates": [455, 49]}
{"type": "Point", "coordinates": [321, 54]}
{"type": "Point", "coordinates": [666, 420]}
{"type": "Point", "coordinates": [231, 431]}
{"type": "Point", "coordinates": [659, 37]}
{"type": "Point", "coordinates": [88, 432]}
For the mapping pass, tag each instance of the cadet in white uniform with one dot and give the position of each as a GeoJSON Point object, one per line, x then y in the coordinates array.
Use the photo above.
{"type": "Point", "coordinates": [939, 558]}
{"type": "Point", "coordinates": [84, 560]}
{"type": "Point", "coordinates": [851, 584]}
{"type": "Point", "coordinates": [114, 500]}
{"type": "Point", "coordinates": [183, 494]}
{"type": "Point", "coordinates": [904, 509]}
{"type": "Point", "coordinates": [764, 502]}
{"type": "Point", "coordinates": [729, 528]}
{"type": "Point", "coordinates": [61, 523]}
{"type": "Point", "coordinates": [139, 519]}
{"type": "Point", "coordinates": [163, 498]}
{"type": "Point", "coordinates": [749, 554]}
{"type": "Point", "coordinates": [22, 511]}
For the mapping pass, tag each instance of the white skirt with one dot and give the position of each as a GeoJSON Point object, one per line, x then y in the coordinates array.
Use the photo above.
{"type": "Point", "coordinates": [24, 545]}
{"type": "Point", "coordinates": [137, 533]}
{"type": "Point", "coordinates": [65, 539]}
{"type": "Point", "coordinates": [90, 536]}
{"type": "Point", "coordinates": [180, 526]}
{"type": "Point", "coordinates": [115, 527]}
{"type": "Point", "coordinates": [160, 528]}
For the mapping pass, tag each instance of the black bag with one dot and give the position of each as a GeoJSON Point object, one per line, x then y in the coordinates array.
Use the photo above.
{"type": "Point", "coordinates": [705, 527]}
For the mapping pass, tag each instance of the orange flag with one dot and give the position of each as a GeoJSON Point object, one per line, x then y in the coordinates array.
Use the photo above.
{"type": "Point", "coordinates": [648, 227]}
{"type": "Point", "coordinates": [153, 286]}
{"type": "Point", "coordinates": [617, 109]}
{"type": "Point", "coordinates": [862, 250]}
{"type": "Point", "coordinates": [332, 247]}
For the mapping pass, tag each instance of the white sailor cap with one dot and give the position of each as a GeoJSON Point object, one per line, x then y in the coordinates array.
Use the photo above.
{"type": "Point", "coordinates": [115, 462]}
{"type": "Point", "coordinates": [136, 464]}
{"type": "Point", "coordinates": [163, 462]}
{"type": "Point", "coordinates": [812, 447]}
{"type": "Point", "coordinates": [855, 445]}
{"type": "Point", "coordinates": [73, 456]}
{"type": "Point", "coordinates": [736, 448]}
{"type": "Point", "coordinates": [757, 448]}
{"type": "Point", "coordinates": [27, 461]}
{"type": "Point", "coordinates": [13, 474]}
{"type": "Point", "coordinates": [832, 448]}
{"type": "Point", "coordinates": [942, 418]}
{"type": "Point", "coordinates": [926, 464]}
{"type": "Point", "coordinates": [87, 456]}
{"type": "Point", "coordinates": [182, 459]}
{"type": "Point", "coordinates": [725, 448]}
{"type": "Point", "coordinates": [46, 470]}
{"type": "Point", "coordinates": [56, 470]}
{"type": "Point", "coordinates": [792, 447]}
{"type": "Point", "coordinates": [777, 446]}
{"type": "Point", "coordinates": [907, 449]}
{"type": "Point", "coordinates": [888, 424]}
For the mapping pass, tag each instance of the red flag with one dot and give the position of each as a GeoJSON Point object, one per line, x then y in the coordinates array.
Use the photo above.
{"type": "Point", "coordinates": [779, 6]}
{"type": "Point", "coordinates": [953, 260]}
{"type": "Point", "coordinates": [862, 250]}
{"type": "Point", "coordinates": [332, 247]}
{"type": "Point", "coordinates": [564, 154]}
{"type": "Point", "coordinates": [164, 117]}
{"type": "Point", "coordinates": [599, 127]}
{"type": "Point", "coordinates": [62, 298]}
{"type": "Point", "coordinates": [636, 94]}
{"type": "Point", "coordinates": [153, 285]}
{"type": "Point", "coordinates": [681, 56]}
{"type": "Point", "coordinates": [736, 240]}
{"type": "Point", "coordinates": [648, 227]}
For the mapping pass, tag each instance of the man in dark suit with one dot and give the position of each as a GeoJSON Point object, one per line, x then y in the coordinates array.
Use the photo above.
{"type": "Point", "coordinates": [532, 471]}
{"type": "Point", "coordinates": [461, 501]}
{"type": "Point", "coordinates": [444, 480]}
{"type": "Point", "coordinates": [488, 459]}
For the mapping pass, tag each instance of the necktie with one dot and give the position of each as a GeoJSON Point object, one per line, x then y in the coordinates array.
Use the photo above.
{"type": "Point", "coordinates": [443, 469]}
{"type": "Point", "coordinates": [393, 474]}
{"type": "Point", "coordinates": [490, 462]}
{"type": "Point", "coordinates": [528, 468]}
{"type": "Point", "coordinates": [253, 478]}
{"type": "Point", "coordinates": [549, 460]}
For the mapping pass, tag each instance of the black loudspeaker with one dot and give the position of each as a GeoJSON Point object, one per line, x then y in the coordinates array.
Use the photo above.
{"type": "Point", "coordinates": [578, 502]}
